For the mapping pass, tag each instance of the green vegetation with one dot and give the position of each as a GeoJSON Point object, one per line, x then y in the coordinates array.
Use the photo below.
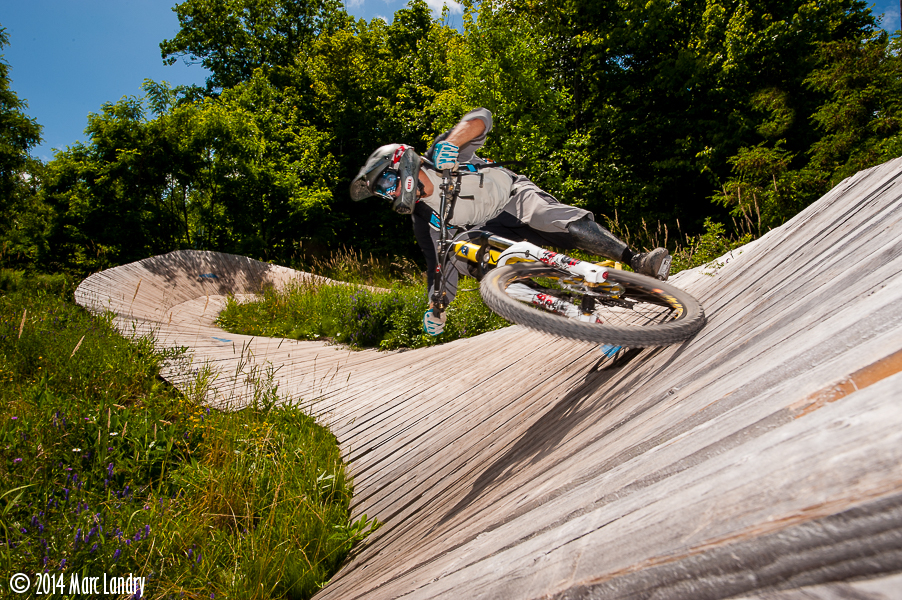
{"type": "Point", "coordinates": [705, 248]}
{"type": "Point", "coordinates": [108, 469]}
{"type": "Point", "coordinates": [359, 316]}
{"type": "Point", "coordinates": [671, 112]}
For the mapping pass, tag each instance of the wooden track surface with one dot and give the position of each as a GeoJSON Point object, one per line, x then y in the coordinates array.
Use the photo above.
{"type": "Point", "coordinates": [761, 459]}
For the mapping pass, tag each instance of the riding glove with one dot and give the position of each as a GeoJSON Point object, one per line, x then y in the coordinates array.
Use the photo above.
{"type": "Point", "coordinates": [434, 325]}
{"type": "Point", "coordinates": [445, 155]}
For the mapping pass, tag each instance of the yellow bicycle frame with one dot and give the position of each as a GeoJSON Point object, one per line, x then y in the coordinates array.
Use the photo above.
{"type": "Point", "coordinates": [470, 251]}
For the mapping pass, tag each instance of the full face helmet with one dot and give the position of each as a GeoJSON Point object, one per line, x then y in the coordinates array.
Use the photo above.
{"type": "Point", "coordinates": [387, 170]}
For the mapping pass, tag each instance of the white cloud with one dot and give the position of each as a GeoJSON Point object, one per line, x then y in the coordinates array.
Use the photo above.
{"type": "Point", "coordinates": [454, 7]}
{"type": "Point", "coordinates": [891, 20]}
{"type": "Point", "coordinates": [352, 4]}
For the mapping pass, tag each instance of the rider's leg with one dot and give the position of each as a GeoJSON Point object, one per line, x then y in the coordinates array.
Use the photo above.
{"type": "Point", "coordinates": [541, 211]}
{"type": "Point", "coordinates": [592, 237]}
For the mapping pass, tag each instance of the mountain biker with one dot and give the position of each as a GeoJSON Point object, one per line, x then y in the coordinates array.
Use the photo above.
{"type": "Point", "coordinates": [494, 199]}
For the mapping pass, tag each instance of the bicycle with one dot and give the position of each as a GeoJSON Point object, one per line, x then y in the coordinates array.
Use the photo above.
{"type": "Point", "coordinates": [564, 296]}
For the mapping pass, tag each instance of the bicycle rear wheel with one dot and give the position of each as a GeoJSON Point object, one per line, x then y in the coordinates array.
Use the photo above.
{"type": "Point", "coordinates": [644, 311]}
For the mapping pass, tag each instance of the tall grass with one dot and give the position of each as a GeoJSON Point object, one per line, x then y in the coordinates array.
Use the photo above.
{"type": "Point", "coordinates": [356, 315]}
{"type": "Point", "coordinates": [351, 266]}
{"type": "Point", "coordinates": [107, 469]}
{"type": "Point", "coordinates": [688, 251]}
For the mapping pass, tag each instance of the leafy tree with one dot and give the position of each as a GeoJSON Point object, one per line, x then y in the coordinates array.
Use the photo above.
{"type": "Point", "coordinates": [237, 173]}
{"type": "Point", "coordinates": [501, 63]}
{"type": "Point", "coordinates": [664, 93]}
{"type": "Point", "coordinates": [857, 124]}
{"type": "Point", "coordinates": [862, 117]}
{"type": "Point", "coordinates": [22, 218]}
{"type": "Point", "coordinates": [233, 38]}
{"type": "Point", "coordinates": [373, 84]}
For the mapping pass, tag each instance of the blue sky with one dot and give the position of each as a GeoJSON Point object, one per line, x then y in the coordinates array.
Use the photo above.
{"type": "Point", "coordinates": [68, 57]}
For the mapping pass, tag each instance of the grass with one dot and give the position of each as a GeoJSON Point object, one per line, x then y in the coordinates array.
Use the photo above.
{"type": "Point", "coordinates": [107, 469]}
{"type": "Point", "coordinates": [688, 251]}
{"type": "Point", "coordinates": [356, 315]}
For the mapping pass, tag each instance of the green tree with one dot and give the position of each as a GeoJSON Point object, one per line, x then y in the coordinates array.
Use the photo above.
{"type": "Point", "coordinates": [664, 93]}
{"type": "Point", "coordinates": [372, 84]}
{"type": "Point", "coordinates": [233, 38]}
{"type": "Point", "coordinates": [861, 120]}
{"type": "Point", "coordinates": [238, 173]}
{"type": "Point", "coordinates": [502, 63]}
{"type": "Point", "coordinates": [857, 124]}
{"type": "Point", "coordinates": [22, 218]}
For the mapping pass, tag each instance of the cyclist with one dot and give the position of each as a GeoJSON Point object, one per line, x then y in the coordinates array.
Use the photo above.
{"type": "Point", "coordinates": [496, 199]}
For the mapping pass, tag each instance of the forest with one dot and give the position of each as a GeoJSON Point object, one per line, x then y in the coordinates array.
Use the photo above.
{"type": "Point", "coordinates": [652, 113]}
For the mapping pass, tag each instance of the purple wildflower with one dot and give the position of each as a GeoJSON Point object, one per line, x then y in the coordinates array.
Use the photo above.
{"type": "Point", "coordinates": [17, 460]}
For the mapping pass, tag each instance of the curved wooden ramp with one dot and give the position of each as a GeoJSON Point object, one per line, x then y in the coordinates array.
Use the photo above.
{"type": "Point", "coordinates": [762, 459]}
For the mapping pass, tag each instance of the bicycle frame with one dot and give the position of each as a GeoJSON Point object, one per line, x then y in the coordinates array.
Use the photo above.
{"type": "Point", "coordinates": [503, 251]}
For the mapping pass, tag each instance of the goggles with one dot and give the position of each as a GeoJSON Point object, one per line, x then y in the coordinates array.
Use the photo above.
{"type": "Point", "coordinates": [386, 184]}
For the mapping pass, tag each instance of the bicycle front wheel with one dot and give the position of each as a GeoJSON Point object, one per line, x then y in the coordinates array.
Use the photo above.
{"type": "Point", "coordinates": [632, 310]}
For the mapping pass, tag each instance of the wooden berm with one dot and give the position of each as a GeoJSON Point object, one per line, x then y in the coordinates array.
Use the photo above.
{"type": "Point", "coordinates": [761, 459]}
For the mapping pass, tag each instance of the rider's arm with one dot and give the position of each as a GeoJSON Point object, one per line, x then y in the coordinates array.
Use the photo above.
{"type": "Point", "coordinates": [470, 133]}
{"type": "Point", "coordinates": [465, 131]}
{"type": "Point", "coordinates": [427, 239]}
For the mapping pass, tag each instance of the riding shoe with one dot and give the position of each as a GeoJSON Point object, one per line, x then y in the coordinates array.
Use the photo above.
{"type": "Point", "coordinates": [654, 264]}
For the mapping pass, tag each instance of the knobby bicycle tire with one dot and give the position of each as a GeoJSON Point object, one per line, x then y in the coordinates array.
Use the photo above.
{"type": "Point", "coordinates": [673, 315]}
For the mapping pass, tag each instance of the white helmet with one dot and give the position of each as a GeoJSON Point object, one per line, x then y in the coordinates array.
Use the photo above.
{"type": "Point", "coordinates": [386, 169]}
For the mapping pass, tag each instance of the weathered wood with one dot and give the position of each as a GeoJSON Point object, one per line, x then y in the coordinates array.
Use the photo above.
{"type": "Point", "coordinates": [760, 457]}
{"type": "Point", "coordinates": [881, 588]}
